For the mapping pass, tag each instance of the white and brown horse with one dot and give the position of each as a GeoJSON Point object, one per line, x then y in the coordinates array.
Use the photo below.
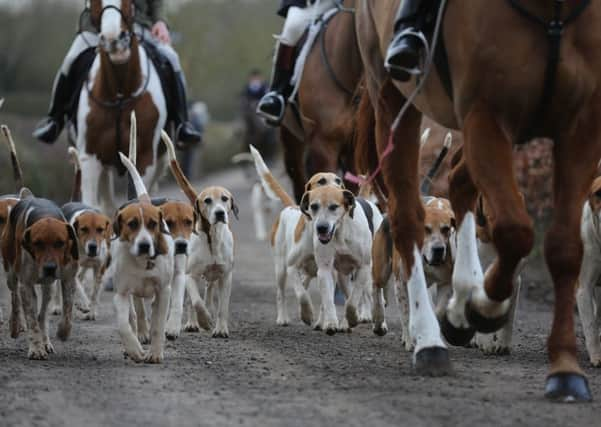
{"type": "Point", "coordinates": [499, 55]}
{"type": "Point", "coordinates": [122, 79]}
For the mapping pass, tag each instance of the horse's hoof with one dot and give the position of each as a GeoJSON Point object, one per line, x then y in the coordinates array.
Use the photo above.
{"type": "Point", "coordinates": [567, 388]}
{"type": "Point", "coordinates": [433, 362]}
{"type": "Point", "coordinates": [460, 337]}
{"type": "Point", "coordinates": [483, 324]}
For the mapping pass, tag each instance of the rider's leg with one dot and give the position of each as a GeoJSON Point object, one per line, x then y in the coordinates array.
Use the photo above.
{"type": "Point", "coordinates": [65, 84]}
{"type": "Point", "coordinates": [184, 131]}
{"type": "Point", "coordinates": [403, 56]}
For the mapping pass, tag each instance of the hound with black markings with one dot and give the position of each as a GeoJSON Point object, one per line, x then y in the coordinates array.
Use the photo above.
{"type": "Point", "coordinates": [328, 237]}
{"type": "Point", "coordinates": [211, 255]}
{"type": "Point", "coordinates": [39, 246]}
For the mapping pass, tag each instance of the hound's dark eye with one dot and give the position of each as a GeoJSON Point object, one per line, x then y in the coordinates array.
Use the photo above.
{"type": "Point", "coordinates": [314, 207]}
{"type": "Point", "coordinates": [333, 208]}
{"type": "Point", "coordinates": [338, 181]}
{"type": "Point", "coordinates": [208, 201]}
{"type": "Point", "coordinates": [188, 222]}
{"type": "Point", "coordinates": [170, 224]}
{"type": "Point", "coordinates": [445, 229]}
{"type": "Point", "coordinates": [152, 225]}
{"type": "Point", "coordinates": [100, 230]}
{"type": "Point", "coordinates": [133, 225]}
{"type": "Point", "coordinates": [598, 193]}
{"type": "Point", "coordinates": [322, 181]}
{"type": "Point", "coordinates": [428, 229]}
{"type": "Point", "coordinates": [38, 244]}
{"type": "Point", "coordinates": [59, 244]}
{"type": "Point", "coordinates": [224, 198]}
{"type": "Point", "coordinates": [84, 230]}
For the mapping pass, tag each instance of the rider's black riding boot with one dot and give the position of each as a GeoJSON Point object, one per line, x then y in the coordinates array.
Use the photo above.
{"type": "Point", "coordinates": [50, 128]}
{"type": "Point", "coordinates": [404, 52]}
{"type": "Point", "coordinates": [273, 105]}
{"type": "Point", "coordinates": [185, 133]}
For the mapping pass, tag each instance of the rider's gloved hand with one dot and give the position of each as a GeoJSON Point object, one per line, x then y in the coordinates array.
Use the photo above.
{"type": "Point", "coordinates": [161, 32]}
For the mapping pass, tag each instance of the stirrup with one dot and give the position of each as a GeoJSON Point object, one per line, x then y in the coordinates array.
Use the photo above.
{"type": "Point", "coordinates": [272, 119]}
{"type": "Point", "coordinates": [409, 32]}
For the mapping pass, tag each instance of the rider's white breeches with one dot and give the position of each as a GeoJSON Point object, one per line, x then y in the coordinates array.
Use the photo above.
{"type": "Point", "coordinates": [299, 19]}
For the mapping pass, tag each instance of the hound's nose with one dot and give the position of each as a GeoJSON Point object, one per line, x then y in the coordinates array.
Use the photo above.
{"type": "Point", "coordinates": [181, 247]}
{"type": "Point", "coordinates": [144, 248]}
{"type": "Point", "coordinates": [49, 269]}
{"type": "Point", "coordinates": [322, 228]}
{"type": "Point", "coordinates": [438, 253]}
{"type": "Point", "coordinates": [220, 216]}
{"type": "Point", "coordinates": [92, 249]}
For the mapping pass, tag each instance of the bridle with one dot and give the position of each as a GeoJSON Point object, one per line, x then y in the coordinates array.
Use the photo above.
{"type": "Point", "coordinates": [125, 37]}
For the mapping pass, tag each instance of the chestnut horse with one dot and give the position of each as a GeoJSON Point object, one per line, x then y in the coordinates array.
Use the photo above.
{"type": "Point", "coordinates": [325, 105]}
{"type": "Point", "coordinates": [499, 57]}
{"type": "Point", "coordinates": [122, 79]}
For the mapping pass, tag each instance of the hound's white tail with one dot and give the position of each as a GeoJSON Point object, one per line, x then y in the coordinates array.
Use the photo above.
{"type": "Point", "coordinates": [17, 172]}
{"type": "Point", "coordinates": [176, 170]}
{"type": "Point", "coordinates": [141, 192]}
{"type": "Point", "coordinates": [272, 187]}
{"type": "Point", "coordinates": [133, 140]}
{"type": "Point", "coordinates": [74, 160]}
{"type": "Point", "coordinates": [425, 137]}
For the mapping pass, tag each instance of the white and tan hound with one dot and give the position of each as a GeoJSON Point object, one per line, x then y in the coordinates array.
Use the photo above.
{"type": "Point", "coordinates": [211, 254]}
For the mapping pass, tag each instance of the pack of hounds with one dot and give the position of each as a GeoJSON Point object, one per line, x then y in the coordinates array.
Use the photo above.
{"type": "Point", "coordinates": [161, 254]}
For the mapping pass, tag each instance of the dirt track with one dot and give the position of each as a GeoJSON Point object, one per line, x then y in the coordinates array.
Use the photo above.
{"type": "Point", "coordinates": [266, 375]}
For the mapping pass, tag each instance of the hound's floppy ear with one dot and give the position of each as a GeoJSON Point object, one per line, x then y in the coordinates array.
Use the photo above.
{"type": "Point", "coordinates": [349, 202]}
{"type": "Point", "coordinates": [117, 225]}
{"type": "Point", "coordinates": [108, 232]}
{"type": "Point", "coordinates": [195, 222]}
{"type": "Point", "coordinates": [76, 226]}
{"type": "Point", "coordinates": [304, 205]}
{"type": "Point", "coordinates": [74, 245]}
{"type": "Point", "coordinates": [235, 209]}
{"type": "Point", "coordinates": [26, 241]}
{"type": "Point", "coordinates": [453, 222]}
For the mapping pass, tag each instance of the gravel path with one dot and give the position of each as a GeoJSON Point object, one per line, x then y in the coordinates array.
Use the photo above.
{"type": "Point", "coordinates": [266, 375]}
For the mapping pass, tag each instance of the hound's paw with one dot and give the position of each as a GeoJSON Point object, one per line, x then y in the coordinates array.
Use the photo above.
{"type": "Point", "coordinates": [64, 330]}
{"type": "Point", "coordinates": [282, 321]}
{"type": "Point", "coordinates": [595, 358]}
{"type": "Point", "coordinates": [152, 357]}
{"type": "Point", "coordinates": [82, 308]}
{"type": "Point", "coordinates": [136, 356]}
{"type": "Point", "coordinates": [56, 310]}
{"type": "Point", "coordinates": [37, 353]}
{"type": "Point", "coordinates": [91, 315]}
{"type": "Point", "coordinates": [191, 327]}
{"type": "Point", "coordinates": [343, 327]}
{"type": "Point", "coordinates": [49, 348]}
{"type": "Point", "coordinates": [407, 344]}
{"type": "Point", "coordinates": [221, 333]}
{"type": "Point", "coordinates": [493, 344]}
{"type": "Point", "coordinates": [380, 329]}
{"type": "Point", "coordinates": [365, 318]}
{"type": "Point", "coordinates": [318, 326]}
{"type": "Point", "coordinates": [306, 313]}
{"type": "Point", "coordinates": [351, 315]}
{"type": "Point", "coordinates": [330, 328]}
{"type": "Point", "coordinates": [171, 333]}
{"type": "Point", "coordinates": [144, 338]}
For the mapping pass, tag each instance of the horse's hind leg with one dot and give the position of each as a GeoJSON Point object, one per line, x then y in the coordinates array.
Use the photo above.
{"type": "Point", "coordinates": [406, 213]}
{"type": "Point", "coordinates": [576, 157]}
{"type": "Point", "coordinates": [294, 156]}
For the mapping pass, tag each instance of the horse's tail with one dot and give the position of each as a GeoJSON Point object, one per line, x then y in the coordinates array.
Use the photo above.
{"type": "Point", "coordinates": [17, 171]}
{"type": "Point", "coordinates": [366, 154]}
{"type": "Point", "coordinates": [74, 159]}
{"type": "Point", "coordinates": [138, 183]}
{"type": "Point", "coordinates": [272, 187]}
{"type": "Point", "coordinates": [176, 170]}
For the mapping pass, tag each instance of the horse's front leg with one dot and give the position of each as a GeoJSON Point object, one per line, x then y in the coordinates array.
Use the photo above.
{"type": "Point", "coordinates": [576, 156]}
{"type": "Point", "coordinates": [482, 302]}
{"type": "Point", "coordinates": [406, 213]}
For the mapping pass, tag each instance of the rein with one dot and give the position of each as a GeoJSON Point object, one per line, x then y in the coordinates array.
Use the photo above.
{"type": "Point", "coordinates": [554, 29]}
{"type": "Point", "coordinates": [324, 53]}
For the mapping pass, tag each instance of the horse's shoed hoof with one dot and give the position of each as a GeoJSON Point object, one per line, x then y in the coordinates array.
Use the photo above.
{"type": "Point", "coordinates": [433, 362]}
{"type": "Point", "coordinates": [459, 337]}
{"type": "Point", "coordinates": [567, 388]}
{"type": "Point", "coordinates": [484, 324]}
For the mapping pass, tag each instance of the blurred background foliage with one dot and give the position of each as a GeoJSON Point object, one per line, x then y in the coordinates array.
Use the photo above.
{"type": "Point", "coordinates": [219, 41]}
